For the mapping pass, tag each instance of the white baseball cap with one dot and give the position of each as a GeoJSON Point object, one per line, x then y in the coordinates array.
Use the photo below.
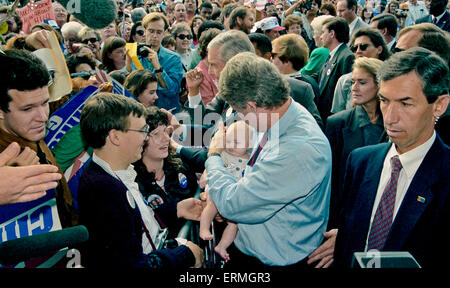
{"type": "Point", "coordinates": [270, 23]}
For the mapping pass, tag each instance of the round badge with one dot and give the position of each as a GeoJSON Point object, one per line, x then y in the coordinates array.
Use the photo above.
{"type": "Point", "coordinates": [154, 201]}
{"type": "Point", "coordinates": [131, 200]}
{"type": "Point", "coordinates": [183, 180]}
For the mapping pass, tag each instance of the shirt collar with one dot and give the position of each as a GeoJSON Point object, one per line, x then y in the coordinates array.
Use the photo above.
{"type": "Point", "coordinates": [127, 176]}
{"type": "Point", "coordinates": [352, 25]}
{"type": "Point", "coordinates": [412, 159]}
{"type": "Point", "coordinates": [283, 123]}
{"type": "Point", "coordinates": [390, 44]}
{"type": "Point", "coordinates": [335, 51]}
{"type": "Point", "coordinates": [438, 18]}
{"type": "Point", "coordinates": [363, 118]}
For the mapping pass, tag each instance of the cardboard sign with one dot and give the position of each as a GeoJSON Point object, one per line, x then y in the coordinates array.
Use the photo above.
{"type": "Point", "coordinates": [34, 13]}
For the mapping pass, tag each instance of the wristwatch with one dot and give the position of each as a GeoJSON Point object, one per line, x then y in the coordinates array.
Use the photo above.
{"type": "Point", "coordinates": [213, 154]}
{"type": "Point", "coordinates": [159, 70]}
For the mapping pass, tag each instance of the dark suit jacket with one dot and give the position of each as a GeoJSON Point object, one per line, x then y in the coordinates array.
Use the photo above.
{"type": "Point", "coordinates": [302, 92]}
{"type": "Point", "coordinates": [115, 228]}
{"type": "Point", "coordinates": [340, 64]}
{"type": "Point", "coordinates": [418, 228]}
{"type": "Point", "coordinates": [443, 23]}
{"type": "Point", "coordinates": [345, 131]}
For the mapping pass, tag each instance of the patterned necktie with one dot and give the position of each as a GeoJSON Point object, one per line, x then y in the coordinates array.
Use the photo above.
{"type": "Point", "coordinates": [383, 217]}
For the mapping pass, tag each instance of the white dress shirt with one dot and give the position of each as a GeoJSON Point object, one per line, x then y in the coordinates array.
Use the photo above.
{"type": "Point", "coordinates": [411, 161]}
{"type": "Point", "coordinates": [134, 196]}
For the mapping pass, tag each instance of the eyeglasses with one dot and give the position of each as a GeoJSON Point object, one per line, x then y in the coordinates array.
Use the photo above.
{"type": "Point", "coordinates": [362, 47]}
{"type": "Point", "coordinates": [92, 40]}
{"type": "Point", "coordinates": [158, 135]}
{"type": "Point", "coordinates": [140, 32]}
{"type": "Point", "coordinates": [279, 9]}
{"type": "Point", "coordinates": [182, 37]}
{"type": "Point", "coordinates": [145, 132]}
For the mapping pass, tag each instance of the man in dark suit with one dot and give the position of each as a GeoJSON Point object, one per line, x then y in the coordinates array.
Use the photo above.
{"type": "Point", "coordinates": [347, 10]}
{"type": "Point", "coordinates": [407, 180]}
{"type": "Point", "coordinates": [334, 36]}
{"type": "Point", "coordinates": [387, 24]}
{"type": "Point", "coordinates": [439, 15]}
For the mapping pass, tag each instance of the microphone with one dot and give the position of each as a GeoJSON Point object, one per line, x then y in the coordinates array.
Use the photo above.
{"type": "Point", "coordinates": [21, 249]}
{"type": "Point", "coordinates": [96, 14]}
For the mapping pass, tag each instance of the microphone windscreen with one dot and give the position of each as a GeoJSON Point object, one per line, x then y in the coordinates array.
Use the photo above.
{"type": "Point", "coordinates": [21, 249]}
{"type": "Point", "coordinates": [96, 14]}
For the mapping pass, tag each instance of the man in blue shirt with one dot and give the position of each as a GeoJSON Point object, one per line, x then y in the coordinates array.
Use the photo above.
{"type": "Point", "coordinates": [281, 203]}
{"type": "Point", "coordinates": [163, 62]}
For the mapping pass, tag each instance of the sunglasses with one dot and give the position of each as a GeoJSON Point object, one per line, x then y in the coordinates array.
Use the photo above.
{"type": "Point", "coordinates": [182, 37]}
{"type": "Point", "coordinates": [362, 47]}
{"type": "Point", "coordinates": [92, 40]}
{"type": "Point", "coordinates": [140, 32]}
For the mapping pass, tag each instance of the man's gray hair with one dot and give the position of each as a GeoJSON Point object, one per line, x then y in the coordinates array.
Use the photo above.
{"type": "Point", "coordinates": [232, 42]}
{"type": "Point", "coordinates": [137, 14]}
{"type": "Point", "coordinates": [71, 28]}
{"type": "Point", "coordinates": [428, 66]}
{"type": "Point", "coordinates": [247, 77]}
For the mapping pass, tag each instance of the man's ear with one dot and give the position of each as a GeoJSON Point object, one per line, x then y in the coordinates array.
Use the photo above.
{"type": "Point", "coordinates": [113, 137]}
{"type": "Point", "coordinates": [239, 20]}
{"type": "Point", "coordinates": [440, 105]}
{"type": "Point", "coordinates": [2, 114]}
{"type": "Point", "coordinates": [268, 56]}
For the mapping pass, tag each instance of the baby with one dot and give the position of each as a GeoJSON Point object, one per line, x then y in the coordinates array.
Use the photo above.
{"type": "Point", "coordinates": [239, 141]}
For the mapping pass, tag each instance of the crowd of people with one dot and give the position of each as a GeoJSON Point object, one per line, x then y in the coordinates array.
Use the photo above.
{"type": "Point", "coordinates": [313, 129]}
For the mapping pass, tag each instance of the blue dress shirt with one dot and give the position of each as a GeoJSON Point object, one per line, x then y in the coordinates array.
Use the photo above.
{"type": "Point", "coordinates": [168, 98]}
{"type": "Point", "coordinates": [281, 204]}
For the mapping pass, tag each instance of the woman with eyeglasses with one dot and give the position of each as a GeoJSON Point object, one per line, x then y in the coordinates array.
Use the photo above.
{"type": "Point", "coordinates": [137, 33]}
{"type": "Point", "coordinates": [358, 127]}
{"type": "Point", "coordinates": [182, 34]}
{"type": "Point", "coordinates": [366, 42]}
{"type": "Point", "coordinates": [165, 179]}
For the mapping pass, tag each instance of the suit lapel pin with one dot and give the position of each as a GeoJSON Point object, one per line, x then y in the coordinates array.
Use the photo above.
{"type": "Point", "coordinates": [421, 199]}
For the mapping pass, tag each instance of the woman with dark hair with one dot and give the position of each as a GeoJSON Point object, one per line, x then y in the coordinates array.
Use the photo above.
{"type": "Point", "coordinates": [367, 14]}
{"type": "Point", "coordinates": [328, 9]}
{"type": "Point", "coordinates": [161, 175]}
{"type": "Point", "coordinates": [358, 127]}
{"type": "Point", "coordinates": [195, 24]}
{"type": "Point", "coordinates": [137, 33]}
{"type": "Point", "coordinates": [366, 42]}
{"type": "Point", "coordinates": [143, 84]}
{"type": "Point", "coordinates": [114, 54]}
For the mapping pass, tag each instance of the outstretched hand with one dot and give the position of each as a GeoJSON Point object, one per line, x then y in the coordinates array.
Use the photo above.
{"type": "Point", "coordinates": [190, 209]}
